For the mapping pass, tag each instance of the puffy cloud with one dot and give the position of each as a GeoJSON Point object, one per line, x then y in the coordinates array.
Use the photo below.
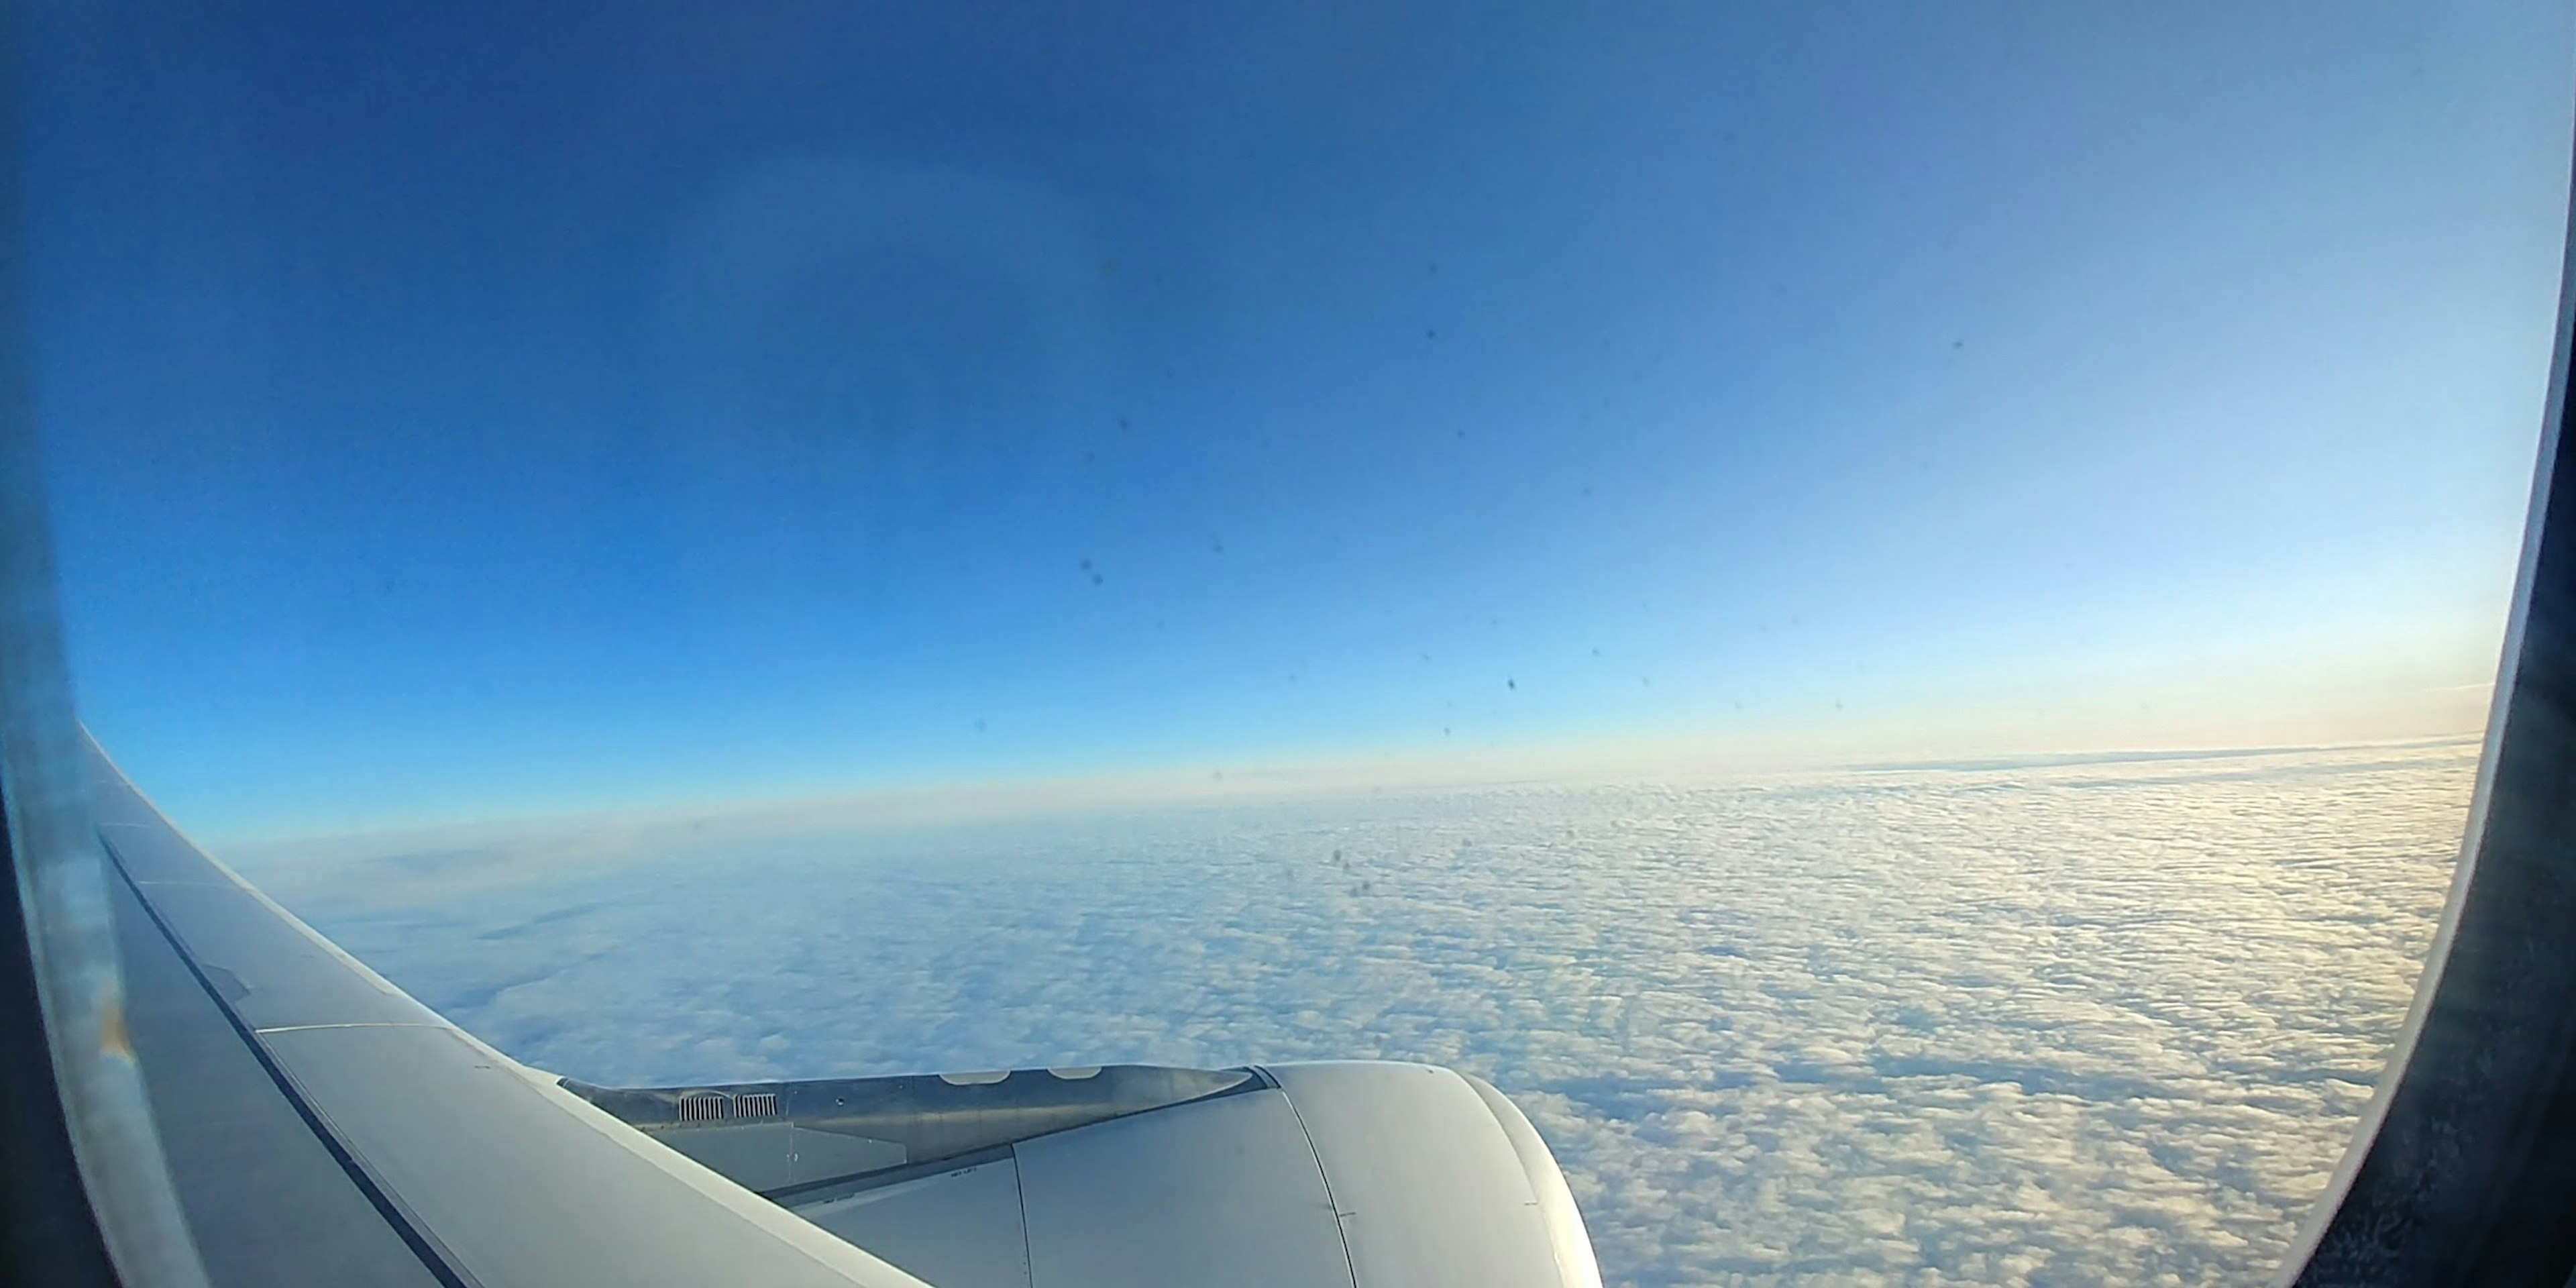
{"type": "Point", "coordinates": [2087, 1022]}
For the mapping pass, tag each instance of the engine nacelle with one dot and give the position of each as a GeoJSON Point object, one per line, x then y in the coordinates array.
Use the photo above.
{"type": "Point", "coordinates": [1361, 1174]}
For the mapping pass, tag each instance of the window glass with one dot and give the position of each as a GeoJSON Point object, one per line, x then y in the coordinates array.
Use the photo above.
{"type": "Point", "coordinates": [1882, 614]}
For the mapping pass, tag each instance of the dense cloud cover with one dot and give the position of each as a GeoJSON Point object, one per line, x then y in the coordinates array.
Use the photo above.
{"type": "Point", "coordinates": [2099, 1022]}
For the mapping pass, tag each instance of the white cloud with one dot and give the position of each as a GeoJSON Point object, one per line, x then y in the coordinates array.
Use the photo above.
{"type": "Point", "coordinates": [2093, 1022]}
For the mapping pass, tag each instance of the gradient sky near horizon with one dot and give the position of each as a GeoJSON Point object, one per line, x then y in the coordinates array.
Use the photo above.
{"type": "Point", "coordinates": [483, 409]}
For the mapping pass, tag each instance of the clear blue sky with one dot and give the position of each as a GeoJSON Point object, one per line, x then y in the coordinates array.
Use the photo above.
{"type": "Point", "coordinates": [471, 409]}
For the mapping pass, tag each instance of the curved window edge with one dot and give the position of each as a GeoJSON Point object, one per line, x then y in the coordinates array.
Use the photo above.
{"type": "Point", "coordinates": [88, 1191]}
{"type": "Point", "coordinates": [2463, 1169]}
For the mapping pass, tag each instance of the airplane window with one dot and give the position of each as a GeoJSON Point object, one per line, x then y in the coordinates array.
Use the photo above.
{"type": "Point", "coordinates": [1883, 616]}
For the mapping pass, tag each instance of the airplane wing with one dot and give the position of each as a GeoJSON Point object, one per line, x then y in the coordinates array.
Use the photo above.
{"type": "Point", "coordinates": [321, 1126]}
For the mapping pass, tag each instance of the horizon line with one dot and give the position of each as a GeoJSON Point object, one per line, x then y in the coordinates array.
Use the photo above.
{"type": "Point", "coordinates": [952, 802]}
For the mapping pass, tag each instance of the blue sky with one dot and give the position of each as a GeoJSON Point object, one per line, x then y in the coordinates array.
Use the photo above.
{"type": "Point", "coordinates": [475, 410]}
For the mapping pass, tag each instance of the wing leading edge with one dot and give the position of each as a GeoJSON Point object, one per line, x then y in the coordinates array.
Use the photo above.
{"type": "Point", "coordinates": [318, 1117]}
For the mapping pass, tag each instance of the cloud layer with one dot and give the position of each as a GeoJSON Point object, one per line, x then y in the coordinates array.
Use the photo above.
{"type": "Point", "coordinates": [2072, 1023]}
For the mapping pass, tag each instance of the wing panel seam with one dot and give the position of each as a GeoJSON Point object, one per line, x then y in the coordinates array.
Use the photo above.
{"type": "Point", "coordinates": [433, 1257]}
{"type": "Point", "coordinates": [353, 1024]}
